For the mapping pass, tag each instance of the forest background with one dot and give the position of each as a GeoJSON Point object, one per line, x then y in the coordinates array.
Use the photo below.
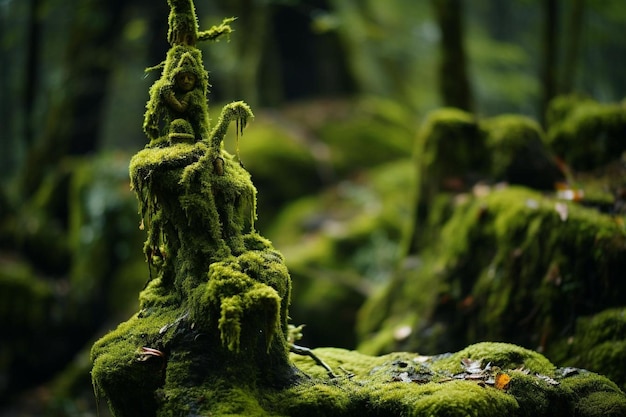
{"type": "Point", "coordinates": [73, 86]}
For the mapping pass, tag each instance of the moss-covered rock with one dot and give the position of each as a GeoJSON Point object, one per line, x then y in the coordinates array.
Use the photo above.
{"type": "Point", "coordinates": [484, 379]}
{"type": "Point", "coordinates": [505, 264]}
{"type": "Point", "coordinates": [598, 344]}
{"type": "Point", "coordinates": [454, 151]}
{"type": "Point", "coordinates": [584, 133]}
{"type": "Point", "coordinates": [489, 261]}
{"type": "Point", "coordinates": [216, 306]}
{"type": "Point", "coordinates": [518, 152]}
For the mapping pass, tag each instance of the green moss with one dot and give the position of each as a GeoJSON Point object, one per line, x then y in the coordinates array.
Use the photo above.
{"type": "Point", "coordinates": [504, 356]}
{"type": "Point", "coordinates": [585, 133]}
{"type": "Point", "coordinates": [598, 344]}
{"type": "Point", "coordinates": [507, 257]}
{"type": "Point", "coordinates": [216, 304]}
{"type": "Point", "coordinates": [448, 151]}
{"type": "Point", "coordinates": [454, 151]}
{"type": "Point", "coordinates": [595, 395]}
{"type": "Point", "coordinates": [518, 152]}
{"type": "Point", "coordinates": [408, 384]}
{"type": "Point", "coordinates": [448, 147]}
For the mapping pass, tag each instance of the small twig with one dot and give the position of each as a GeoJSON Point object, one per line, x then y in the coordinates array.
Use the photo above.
{"type": "Point", "coordinates": [304, 351]}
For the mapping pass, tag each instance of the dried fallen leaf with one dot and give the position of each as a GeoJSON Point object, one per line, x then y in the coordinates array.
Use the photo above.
{"type": "Point", "coordinates": [474, 366]}
{"type": "Point", "coordinates": [561, 208]}
{"type": "Point", "coordinates": [502, 381]}
{"type": "Point", "coordinates": [147, 353]}
{"type": "Point", "coordinates": [547, 379]}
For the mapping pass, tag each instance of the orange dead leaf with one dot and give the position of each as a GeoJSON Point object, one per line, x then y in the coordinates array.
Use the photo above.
{"type": "Point", "coordinates": [502, 381]}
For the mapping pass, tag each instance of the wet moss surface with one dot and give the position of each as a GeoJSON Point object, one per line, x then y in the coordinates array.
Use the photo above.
{"type": "Point", "coordinates": [598, 344]}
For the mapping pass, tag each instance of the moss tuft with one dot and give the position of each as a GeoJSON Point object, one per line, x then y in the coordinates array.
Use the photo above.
{"type": "Point", "coordinates": [598, 344]}
{"type": "Point", "coordinates": [586, 134]}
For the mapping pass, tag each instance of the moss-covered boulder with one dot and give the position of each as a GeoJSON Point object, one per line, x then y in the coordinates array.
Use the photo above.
{"type": "Point", "coordinates": [518, 152]}
{"type": "Point", "coordinates": [491, 261]}
{"type": "Point", "coordinates": [584, 133]}
{"type": "Point", "coordinates": [598, 344]}
{"type": "Point", "coordinates": [506, 264]}
{"type": "Point", "coordinates": [487, 379]}
{"type": "Point", "coordinates": [454, 151]}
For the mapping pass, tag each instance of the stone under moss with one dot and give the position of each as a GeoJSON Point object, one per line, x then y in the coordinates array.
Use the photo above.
{"type": "Point", "coordinates": [505, 264]}
{"type": "Point", "coordinates": [598, 344]}
{"type": "Point", "coordinates": [584, 133]}
{"type": "Point", "coordinates": [454, 150]}
{"type": "Point", "coordinates": [410, 384]}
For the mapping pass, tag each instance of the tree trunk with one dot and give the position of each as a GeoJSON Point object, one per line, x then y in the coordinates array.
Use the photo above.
{"type": "Point", "coordinates": [549, 62]}
{"type": "Point", "coordinates": [572, 48]}
{"type": "Point", "coordinates": [454, 83]}
{"type": "Point", "coordinates": [72, 124]}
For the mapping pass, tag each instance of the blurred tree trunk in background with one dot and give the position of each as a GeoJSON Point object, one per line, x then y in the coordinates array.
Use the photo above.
{"type": "Point", "coordinates": [549, 55]}
{"type": "Point", "coordinates": [369, 74]}
{"type": "Point", "coordinates": [72, 121]}
{"type": "Point", "coordinates": [572, 46]}
{"type": "Point", "coordinates": [32, 65]}
{"type": "Point", "coordinates": [454, 82]}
